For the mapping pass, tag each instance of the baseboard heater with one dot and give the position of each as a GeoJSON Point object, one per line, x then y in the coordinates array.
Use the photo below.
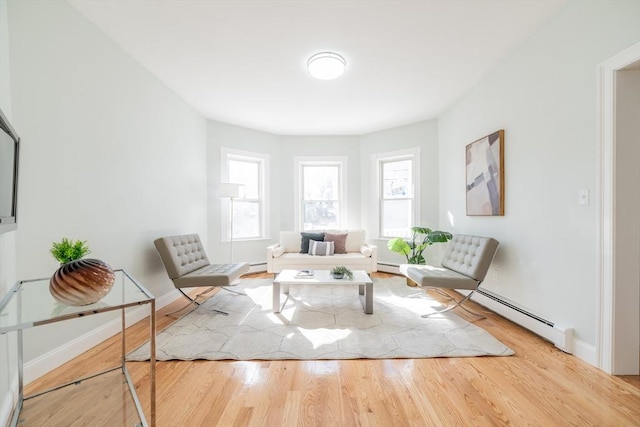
{"type": "Point", "coordinates": [388, 268]}
{"type": "Point", "coordinates": [560, 336]}
{"type": "Point", "coordinates": [515, 307]}
{"type": "Point", "coordinates": [257, 267]}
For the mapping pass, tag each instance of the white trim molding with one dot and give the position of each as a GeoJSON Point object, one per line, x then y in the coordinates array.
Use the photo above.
{"type": "Point", "coordinates": [341, 162]}
{"type": "Point", "coordinates": [376, 177]}
{"type": "Point", "coordinates": [263, 160]}
{"type": "Point", "coordinates": [8, 404]}
{"type": "Point", "coordinates": [605, 342]}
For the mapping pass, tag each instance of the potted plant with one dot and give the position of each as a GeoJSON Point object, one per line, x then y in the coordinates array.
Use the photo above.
{"type": "Point", "coordinates": [413, 249]}
{"type": "Point", "coordinates": [68, 250]}
{"type": "Point", "coordinates": [79, 281]}
{"type": "Point", "coordinates": [341, 271]}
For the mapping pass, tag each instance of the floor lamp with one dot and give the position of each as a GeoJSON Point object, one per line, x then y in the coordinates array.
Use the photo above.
{"type": "Point", "coordinates": [230, 191]}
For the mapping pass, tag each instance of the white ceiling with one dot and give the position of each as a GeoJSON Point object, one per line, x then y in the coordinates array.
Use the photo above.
{"type": "Point", "coordinates": [244, 62]}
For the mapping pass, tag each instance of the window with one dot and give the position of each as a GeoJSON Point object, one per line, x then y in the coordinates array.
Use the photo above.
{"type": "Point", "coordinates": [250, 211]}
{"type": "Point", "coordinates": [321, 197]}
{"type": "Point", "coordinates": [397, 192]}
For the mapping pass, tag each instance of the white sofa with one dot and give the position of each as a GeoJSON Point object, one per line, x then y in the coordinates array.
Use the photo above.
{"type": "Point", "coordinates": [285, 255]}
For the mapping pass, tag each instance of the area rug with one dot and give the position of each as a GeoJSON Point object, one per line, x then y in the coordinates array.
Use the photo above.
{"type": "Point", "coordinates": [320, 322]}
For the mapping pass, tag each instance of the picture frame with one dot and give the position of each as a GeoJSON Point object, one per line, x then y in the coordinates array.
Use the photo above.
{"type": "Point", "coordinates": [485, 175]}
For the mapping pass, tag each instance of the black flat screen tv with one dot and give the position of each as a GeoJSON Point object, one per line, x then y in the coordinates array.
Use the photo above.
{"type": "Point", "coordinates": [9, 150]}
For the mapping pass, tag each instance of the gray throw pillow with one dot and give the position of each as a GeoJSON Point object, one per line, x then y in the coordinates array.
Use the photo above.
{"type": "Point", "coordinates": [320, 248]}
{"type": "Point", "coordinates": [304, 240]}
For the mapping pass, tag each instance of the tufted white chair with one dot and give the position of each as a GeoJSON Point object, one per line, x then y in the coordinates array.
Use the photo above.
{"type": "Point", "coordinates": [464, 266]}
{"type": "Point", "coordinates": [187, 265]}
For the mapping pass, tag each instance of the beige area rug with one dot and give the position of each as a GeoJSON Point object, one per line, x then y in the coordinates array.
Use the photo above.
{"type": "Point", "coordinates": [320, 322]}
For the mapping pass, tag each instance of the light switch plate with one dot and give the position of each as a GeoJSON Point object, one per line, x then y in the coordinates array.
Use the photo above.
{"type": "Point", "coordinates": [583, 197]}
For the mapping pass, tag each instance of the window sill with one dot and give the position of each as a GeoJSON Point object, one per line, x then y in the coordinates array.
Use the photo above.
{"type": "Point", "coordinates": [250, 239]}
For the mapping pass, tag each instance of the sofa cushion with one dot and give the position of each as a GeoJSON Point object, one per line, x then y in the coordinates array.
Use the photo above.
{"type": "Point", "coordinates": [338, 239]}
{"type": "Point", "coordinates": [290, 241]}
{"type": "Point", "coordinates": [212, 275]}
{"type": "Point", "coordinates": [354, 261]}
{"type": "Point", "coordinates": [320, 248]}
{"type": "Point", "coordinates": [355, 239]}
{"type": "Point", "coordinates": [304, 240]}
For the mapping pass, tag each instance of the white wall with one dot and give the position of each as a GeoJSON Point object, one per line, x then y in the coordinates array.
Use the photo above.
{"type": "Point", "coordinates": [109, 154]}
{"type": "Point", "coordinates": [7, 240]}
{"type": "Point", "coordinates": [544, 96]}
{"type": "Point", "coordinates": [8, 358]}
{"type": "Point", "coordinates": [423, 135]}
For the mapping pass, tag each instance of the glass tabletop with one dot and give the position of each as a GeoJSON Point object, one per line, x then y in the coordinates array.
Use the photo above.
{"type": "Point", "coordinates": [29, 302]}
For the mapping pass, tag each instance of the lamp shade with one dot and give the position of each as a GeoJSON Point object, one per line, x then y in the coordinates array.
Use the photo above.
{"type": "Point", "coordinates": [230, 190]}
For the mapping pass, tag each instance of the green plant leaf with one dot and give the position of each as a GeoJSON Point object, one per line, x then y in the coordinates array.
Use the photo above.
{"type": "Point", "coordinates": [399, 245]}
{"type": "Point", "coordinates": [417, 259]}
{"type": "Point", "coordinates": [414, 248]}
{"type": "Point", "coordinates": [439, 236]}
{"type": "Point", "coordinates": [67, 250]}
{"type": "Point", "coordinates": [421, 230]}
{"type": "Point", "coordinates": [421, 247]}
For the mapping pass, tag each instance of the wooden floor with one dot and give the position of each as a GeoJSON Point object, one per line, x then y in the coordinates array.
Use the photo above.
{"type": "Point", "coordinates": [538, 386]}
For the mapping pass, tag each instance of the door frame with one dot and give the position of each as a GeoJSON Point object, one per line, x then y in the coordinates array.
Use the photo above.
{"type": "Point", "coordinates": [605, 342]}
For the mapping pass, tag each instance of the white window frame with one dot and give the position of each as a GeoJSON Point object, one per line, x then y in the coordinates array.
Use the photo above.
{"type": "Point", "coordinates": [226, 155]}
{"type": "Point", "coordinates": [377, 160]}
{"type": "Point", "coordinates": [298, 164]}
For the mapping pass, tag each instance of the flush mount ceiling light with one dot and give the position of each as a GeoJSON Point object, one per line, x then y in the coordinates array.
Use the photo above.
{"type": "Point", "coordinates": [326, 65]}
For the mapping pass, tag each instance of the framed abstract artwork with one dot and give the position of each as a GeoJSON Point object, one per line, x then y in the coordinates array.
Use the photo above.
{"type": "Point", "coordinates": [485, 175]}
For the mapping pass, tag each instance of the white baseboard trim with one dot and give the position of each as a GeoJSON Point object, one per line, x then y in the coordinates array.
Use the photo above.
{"type": "Point", "coordinates": [39, 366]}
{"type": "Point", "coordinates": [258, 268]}
{"type": "Point", "coordinates": [6, 409]}
{"type": "Point", "coordinates": [586, 352]}
{"type": "Point", "coordinates": [9, 402]}
{"type": "Point", "coordinates": [561, 336]}
{"type": "Point", "coordinates": [388, 268]}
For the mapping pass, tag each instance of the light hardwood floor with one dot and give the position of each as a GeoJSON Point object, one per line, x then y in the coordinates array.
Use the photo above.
{"type": "Point", "coordinates": [538, 386]}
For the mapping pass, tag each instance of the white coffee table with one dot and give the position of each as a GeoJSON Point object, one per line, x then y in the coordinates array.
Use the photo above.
{"type": "Point", "coordinates": [323, 277]}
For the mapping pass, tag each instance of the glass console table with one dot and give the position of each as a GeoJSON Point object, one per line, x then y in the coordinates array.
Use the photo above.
{"type": "Point", "coordinates": [29, 304]}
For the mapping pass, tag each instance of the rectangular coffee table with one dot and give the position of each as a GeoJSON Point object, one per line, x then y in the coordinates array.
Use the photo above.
{"type": "Point", "coordinates": [323, 277]}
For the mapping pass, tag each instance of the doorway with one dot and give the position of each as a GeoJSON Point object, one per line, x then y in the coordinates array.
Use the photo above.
{"type": "Point", "coordinates": [618, 345]}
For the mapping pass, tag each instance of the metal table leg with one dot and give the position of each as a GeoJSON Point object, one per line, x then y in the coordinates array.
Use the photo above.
{"type": "Point", "coordinates": [276, 297]}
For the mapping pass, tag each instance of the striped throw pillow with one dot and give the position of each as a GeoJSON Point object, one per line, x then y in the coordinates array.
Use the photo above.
{"type": "Point", "coordinates": [321, 248]}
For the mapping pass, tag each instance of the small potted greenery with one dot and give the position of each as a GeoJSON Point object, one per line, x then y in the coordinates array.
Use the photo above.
{"type": "Point", "coordinates": [422, 238]}
{"type": "Point", "coordinates": [68, 250]}
{"type": "Point", "coordinates": [413, 249]}
{"type": "Point", "coordinates": [79, 281]}
{"type": "Point", "coordinates": [341, 271]}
